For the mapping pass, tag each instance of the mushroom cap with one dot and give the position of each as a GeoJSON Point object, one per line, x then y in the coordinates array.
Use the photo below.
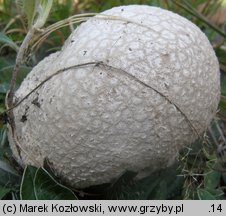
{"type": "Point", "coordinates": [153, 88]}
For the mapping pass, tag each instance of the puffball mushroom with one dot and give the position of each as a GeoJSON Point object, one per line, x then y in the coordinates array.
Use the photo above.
{"type": "Point", "coordinates": [130, 88]}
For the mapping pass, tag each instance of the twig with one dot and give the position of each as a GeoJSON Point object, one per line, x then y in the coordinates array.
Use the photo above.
{"type": "Point", "coordinates": [10, 96]}
{"type": "Point", "coordinates": [100, 63]}
{"type": "Point", "coordinates": [19, 61]}
{"type": "Point", "coordinates": [157, 91]}
{"type": "Point", "coordinates": [45, 80]}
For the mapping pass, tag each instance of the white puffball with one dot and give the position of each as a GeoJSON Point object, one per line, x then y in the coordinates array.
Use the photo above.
{"type": "Point", "coordinates": [156, 87]}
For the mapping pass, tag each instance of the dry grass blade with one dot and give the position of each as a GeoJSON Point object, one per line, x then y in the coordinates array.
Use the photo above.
{"type": "Point", "coordinates": [104, 65]}
{"type": "Point", "coordinates": [187, 7]}
{"type": "Point", "coordinates": [44, 33]}
{"type": "Point", "coordinates": [78, 19]}
{"type": "Point", "coordinates": [11, 22]}
{"type": "Point", "coordinates": [157, 91]}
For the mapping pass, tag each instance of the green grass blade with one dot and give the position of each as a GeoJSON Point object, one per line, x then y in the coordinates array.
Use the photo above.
{"type": "Point", "coordinates": [7, 41]}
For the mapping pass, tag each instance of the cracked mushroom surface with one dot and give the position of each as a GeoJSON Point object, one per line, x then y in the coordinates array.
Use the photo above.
{"type": "Point", "coordinates": [153, 86]}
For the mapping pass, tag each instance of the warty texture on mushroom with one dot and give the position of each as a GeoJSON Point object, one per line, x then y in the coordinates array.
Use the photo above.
{"type": "Point", "coordinates": [130, 88]}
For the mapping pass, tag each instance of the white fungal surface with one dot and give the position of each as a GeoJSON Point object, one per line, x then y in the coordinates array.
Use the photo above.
{"type": "Point", "coordinates": [156, 86]}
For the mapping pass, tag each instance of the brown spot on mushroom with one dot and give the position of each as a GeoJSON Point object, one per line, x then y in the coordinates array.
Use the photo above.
{"type": "Point", "coordinates": [36, 102]}
{"type": "Point", "coordinates": [23, 118]}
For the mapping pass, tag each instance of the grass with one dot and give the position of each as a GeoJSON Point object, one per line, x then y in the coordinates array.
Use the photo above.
{"type": "Point", "coordinates": [201, 170]}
